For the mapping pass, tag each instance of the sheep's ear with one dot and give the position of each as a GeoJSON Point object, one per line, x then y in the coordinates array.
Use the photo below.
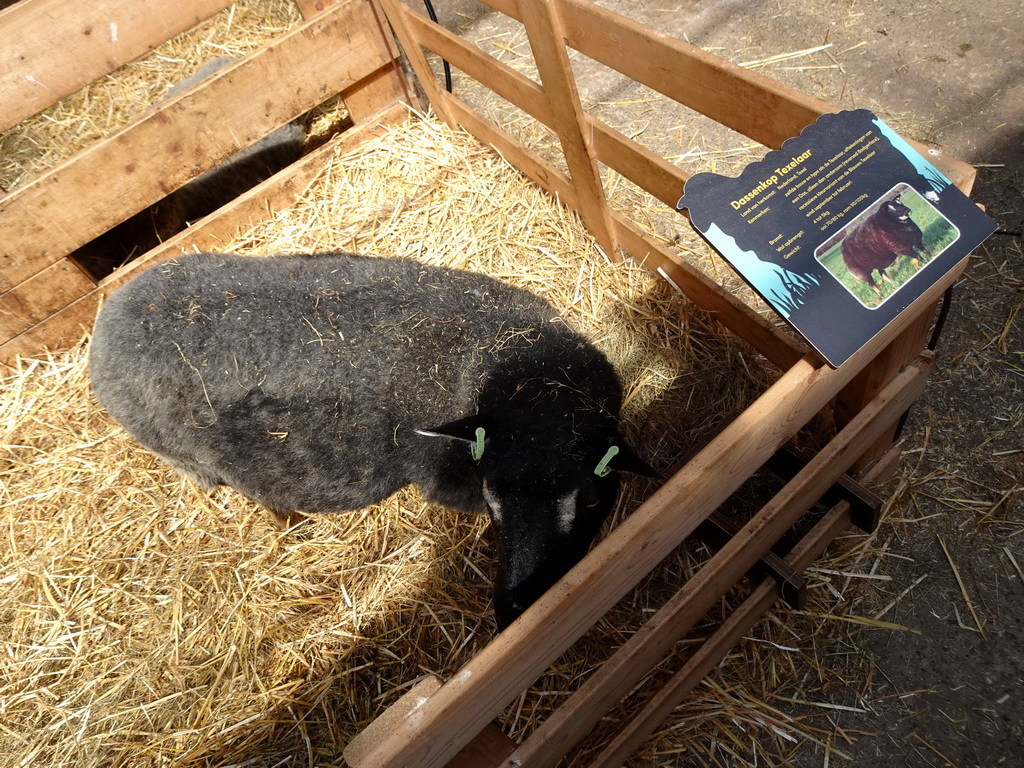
{"type": "Point", "coordinates": [628, 460]}
{"type": "Point", "coordinates": [462, 429]}
{"type": "Point", "coordinates": [470, 430]}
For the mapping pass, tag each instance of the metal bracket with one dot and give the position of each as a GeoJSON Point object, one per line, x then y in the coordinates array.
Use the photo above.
{"type": "Point", "coordinates": [865, 506]}
{"type": "Point", "coordinates": [717, 529]}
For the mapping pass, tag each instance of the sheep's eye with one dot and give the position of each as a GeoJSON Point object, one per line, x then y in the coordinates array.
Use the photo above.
{"type": "Point", "coordinates": [589, 497]}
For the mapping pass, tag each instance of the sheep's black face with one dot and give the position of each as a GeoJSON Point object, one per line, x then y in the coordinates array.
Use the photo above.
{"type": "Point", "coordinates": [547, 492]}
{"type": "Point", "coordinates": [897, 210]}
{"type": "Point", "coordinates": [543, 523]}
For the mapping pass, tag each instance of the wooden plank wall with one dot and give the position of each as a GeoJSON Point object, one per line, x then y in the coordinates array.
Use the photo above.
{"type": "Point", "coordinates": [343, 47]}
{"type": "Point", "coordinates": [659, 177]}
{"type": "Point", "coordinates": [67, 325]}
{"type": "Point", "coordinates": [51, 48]}
{"type": "Point", "coordinates": [753, 105]}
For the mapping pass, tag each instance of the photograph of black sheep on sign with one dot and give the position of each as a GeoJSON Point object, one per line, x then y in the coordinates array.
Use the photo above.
{"type": "Point", "coordinates": [887, 245]}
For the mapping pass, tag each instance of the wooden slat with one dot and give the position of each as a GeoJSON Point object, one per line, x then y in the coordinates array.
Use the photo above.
{"type": "Point", "coordinates": [258, 204]}
{"type": "Point", "coordinates": [734, 628]}
{"type": "Point", "coordinates": [960, 173]}
{"type": "Point", "coordinates": [51, 48]}
{"type": "Point", "coordinates": [543, 28]}
{"type": "Point", "coordinates": [111, 180]}
{"type": "Point", "coordinates": [489, 748]}
{"type": "Point", "coordinates": [718, 528]}
{"type": "Point", "coordinates": [645, 168]}
{"type": "Point", "coordinates": [616, 677]}
{"type": "Point", "coordinates": [379, 728]}
{"type": "Point", "coordinates": [377, 91]}
{"type": "Point", "coordinates": [39, 297]}
{"type": "Point", "coordinates": [762, 109]}
{"type": "Point", "coordinates": [507, 7]}
{"type": "Point", "coordinates": [310, 8]}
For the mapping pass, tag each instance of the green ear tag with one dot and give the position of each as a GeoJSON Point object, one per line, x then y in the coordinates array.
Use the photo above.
{"type": "Point", "coordinates": [602, 470]}
{"type": "Point", "coordinates": [477, 448]}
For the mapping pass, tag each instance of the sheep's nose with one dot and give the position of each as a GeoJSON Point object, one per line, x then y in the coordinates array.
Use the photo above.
{"type": "Point", "coordinates": [507, 611]}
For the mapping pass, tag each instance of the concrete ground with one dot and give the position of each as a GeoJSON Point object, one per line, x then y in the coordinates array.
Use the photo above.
{"type": "Point", "coordinates": [950, 692]}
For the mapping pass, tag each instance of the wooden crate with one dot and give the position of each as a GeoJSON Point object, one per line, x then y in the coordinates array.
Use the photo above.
{"type": "Point", "coordinates": [451, 724]}
{"type": "Point", "coordinates": [47, 299]}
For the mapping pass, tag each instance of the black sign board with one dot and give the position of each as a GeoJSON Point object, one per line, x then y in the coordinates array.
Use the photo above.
{"type": "Point", "coordinates": [839, 230]}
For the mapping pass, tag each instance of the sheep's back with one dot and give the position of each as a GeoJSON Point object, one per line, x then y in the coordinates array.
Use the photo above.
{"type": "Point", "coordinates": [249, 371]}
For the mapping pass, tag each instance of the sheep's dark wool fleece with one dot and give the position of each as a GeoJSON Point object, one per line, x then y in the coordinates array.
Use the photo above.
{"type": "Point", "coordinates": [317, 383]}
{"type": "Point", "coordinates": [879, 240]}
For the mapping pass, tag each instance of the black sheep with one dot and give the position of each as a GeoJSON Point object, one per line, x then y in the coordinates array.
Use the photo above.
{"type": "Point", "coordinates": [328, 382]}
{"type": "Point", "coordinates": [199, 197]}
{"type": "Point", "coordinates": [239, 173]}
{"type": "Point", "coordinates": [879, 240]}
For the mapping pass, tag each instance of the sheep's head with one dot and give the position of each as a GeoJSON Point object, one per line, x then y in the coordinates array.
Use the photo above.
{"type": "Point", "coordinates": [548, 486]}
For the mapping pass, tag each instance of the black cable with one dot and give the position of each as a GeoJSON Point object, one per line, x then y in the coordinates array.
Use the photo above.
{"type": "Point", "coordinates": [447, 68]}
{"type": "Point", "coordinates": [947, 299]}
{"type": "Point", "coordinates": [933, 342]}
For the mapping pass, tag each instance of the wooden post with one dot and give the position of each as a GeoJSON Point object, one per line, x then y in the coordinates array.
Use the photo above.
{"type": "Point", "coordinates": [911, 341]}
{"type": "Point", "coordinates": [547, 40]}
{"type": "Point", "coordinates": [386, 85]}
{"type": "Point", "coordinates": [396, 14]}
{"type": "Point", "coordinates": [870, 381]}
{"type": "Point", "coordinates": [377, 91]}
